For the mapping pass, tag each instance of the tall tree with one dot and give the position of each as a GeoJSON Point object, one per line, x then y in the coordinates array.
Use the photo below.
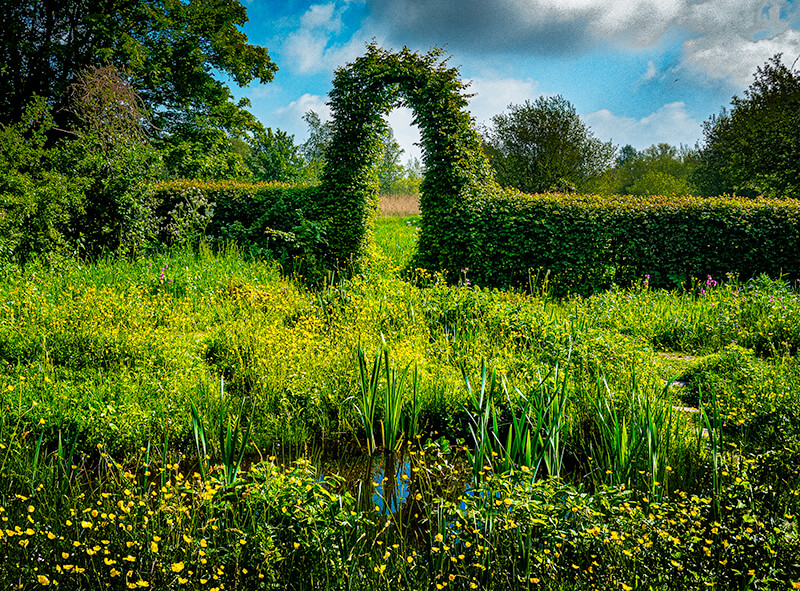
{"type": "Point", "coordinates": [390, 171]}
{"type": "Point", "coordinates": [315, 147]}
{"type": "Point", "coordinates": [754, 149]}
{"type": "Point", "coordinates": [166, 48]}
{"type": "Point", "coordinates": [273, 156]}
{"type": "Point", "coordinates": [658, 170]}
{"type": "Point", "coordinates": [544, 146]}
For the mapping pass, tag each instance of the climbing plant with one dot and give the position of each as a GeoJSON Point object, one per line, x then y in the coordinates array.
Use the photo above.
{"type": "Point", "coordinates": [457, 172]}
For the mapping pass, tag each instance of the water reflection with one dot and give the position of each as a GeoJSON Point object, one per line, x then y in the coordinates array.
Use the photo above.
{"type": "Point", "coordinates": [389, 483]}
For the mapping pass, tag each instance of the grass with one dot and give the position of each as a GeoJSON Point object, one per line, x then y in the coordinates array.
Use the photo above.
{"type": "Point", "coordinates": [396, 237]}
{"type": "Point", "coordinates": [399, 205]}
{"type": "Point", "coordinates": [539, 442]}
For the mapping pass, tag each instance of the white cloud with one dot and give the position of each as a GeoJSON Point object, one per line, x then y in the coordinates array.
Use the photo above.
{"type": "Point", "coordinates": [289, 118]}
{"type": "Point", "coordinates": [307, 102]}
{"type": "Point", "coordinates": [322, 16]}
{"type": "Point", "coordinates": [734, 59]}
{"type": "Point", "coordinates": [546, 26]}
{"type": "Point", "coordinates": [651, 72]}
{"type": "Point", "coordinates": [306, 50]}
{"type": "Point", "coordinates": [640, 23]}
{"type": "Point", "coordinates": [728, 38]}
{"type": "Point", "coordinates": [311, 47]}
{"type": "Point", "coordinates": [494, 95]}
{"type": "Point", "coordinates": [670, 124]}
{"type": "Point", "coordinates": [734, 37]}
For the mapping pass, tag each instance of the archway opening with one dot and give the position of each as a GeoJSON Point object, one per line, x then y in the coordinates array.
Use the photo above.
{"type": "Point", "coordinates": [401, 170]}
{"type": "Point", "coordinates": [456, 171]}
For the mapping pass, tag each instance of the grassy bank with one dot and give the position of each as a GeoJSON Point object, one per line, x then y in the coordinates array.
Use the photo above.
{"type": "Point", "coordinates": [148, 406]}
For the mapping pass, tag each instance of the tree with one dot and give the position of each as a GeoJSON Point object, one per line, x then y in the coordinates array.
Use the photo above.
{"type": "Point", "coordinates": [544, 146]}
{"type": "Point", "coordinates": [390, 171]}
{"type": "Point", "coordinates": [659, 170]}
{"type": "Point", "coordinates": [315, 148]}
{"type": "Point", "coordinates": [754, 149]}
{"type": "Point", "coordinates": [273, 156]}
{"type": "Point", "coordinates": [167, 50]}
{"type": "Point", "coordinates": [111, 160]}
{"type": "Point", "coordinates": [37, 205]}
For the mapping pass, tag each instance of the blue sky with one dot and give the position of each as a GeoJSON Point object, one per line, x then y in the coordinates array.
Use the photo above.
{"type": "Point", "coordinates": [638, 72]}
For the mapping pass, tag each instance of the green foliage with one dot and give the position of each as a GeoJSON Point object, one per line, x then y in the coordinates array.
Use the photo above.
{"type": "Point", "coordinates": [544, 146]}
{"type": "Point", "coordinates": [659, 170]}
{"type": "Point", "coordinates": [168, 51]}
{"type": "Point", "coordinates": [112, 161]}
{"type": "Point", "coordinates": [586, 243]}
{"type": "Point", "coordinates": [273, 156]}
{"type": "Point", "coordinates": [114, 180]}
{"type": "Point", "coordinates": [267, 220]}
{"type": "Point", "coordinates": [755, 148]}
{"type": "Point", "coordinates": [532, 437]}
{"type": "Point", "coordinates": [397, 239]}
{"type": "Point", "coordinates": [228, 450]}
{"type": "Point", "coordinates": [399, 419]}
{"type": "Point", "coordinates": [201, 152]}
{"type": "Point", "coordinates": [659, 183]}
{"type": "Point", "coordinates": [754, 397]}
{"type": "Point", "coordinates": [455, 167]}
{"type": "Point", "coordinates": [315, 148]}
{"type": "Point", "coordinates": [106, 367]}
{"type": "Point", "coordinates": [37, 203]}
{"type": "Point", "coordinates": [390, 171]}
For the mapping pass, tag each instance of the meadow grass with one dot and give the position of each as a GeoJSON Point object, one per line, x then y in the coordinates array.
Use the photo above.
{"type": "Point", "coordinates": [400, 205]}
{"type": "Point", "coordinates": [144, 403]}
{"type": "Point", "coordinates": [396, 236]}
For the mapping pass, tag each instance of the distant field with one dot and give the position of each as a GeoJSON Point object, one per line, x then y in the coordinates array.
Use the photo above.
{"type": "Point", "coordinates": [399, 205]}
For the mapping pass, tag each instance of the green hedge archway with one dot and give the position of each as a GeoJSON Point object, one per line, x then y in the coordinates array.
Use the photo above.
{"type": "Point", "coordinates": [457, 171]}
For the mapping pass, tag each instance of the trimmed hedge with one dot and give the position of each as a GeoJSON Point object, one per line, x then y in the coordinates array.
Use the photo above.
{"type": "Point", "coordinates": [589, 242]}
{"type": "Point", "coordinates": [582, 243]}
{"type": "Point", "coordinates": [272, 220]}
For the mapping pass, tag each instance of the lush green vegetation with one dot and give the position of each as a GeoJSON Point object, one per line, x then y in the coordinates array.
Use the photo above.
{"type": "Point", "coordinates": [753, 149]}
{"type": "Point", "coordinates": [544, 146]}
{"type": "Point", "coordinates": [587, 243]}
{"type": "Point", "coordinates": [166, 415]}
{"type": "Point", "coordinates": [145, 404]}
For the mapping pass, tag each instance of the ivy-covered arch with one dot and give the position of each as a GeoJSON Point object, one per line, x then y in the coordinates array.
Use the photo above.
{"type": "Point", "coordinates": [457, 171]}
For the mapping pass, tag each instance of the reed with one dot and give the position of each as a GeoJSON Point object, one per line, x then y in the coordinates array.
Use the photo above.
{"type": "Point", "coordinates": [231, 445]}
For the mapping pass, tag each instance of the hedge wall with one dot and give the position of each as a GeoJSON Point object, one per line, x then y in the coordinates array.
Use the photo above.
{"type": "Point", "coordinates": [584, 243]}
{"type": "Point", "coordinates": [588, 242]}
{"type": "Point", "coordinates": [274, 220]}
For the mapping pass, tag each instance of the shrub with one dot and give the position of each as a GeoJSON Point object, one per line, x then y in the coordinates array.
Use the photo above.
{"type": "Point", "coordinates": [273, 220]}
{"type": "Point", "coordinates": [587, 243]}
{"type": "Point", "coordinates": [36, 204]}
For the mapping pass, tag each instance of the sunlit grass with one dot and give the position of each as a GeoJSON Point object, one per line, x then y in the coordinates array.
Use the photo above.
{"type": "Point", "coordinates": [141, 402]}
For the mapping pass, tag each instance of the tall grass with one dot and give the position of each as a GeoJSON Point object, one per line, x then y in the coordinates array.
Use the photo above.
{"type": "Point", "coordinates": [523, 432]}
{"type": "Point", "coordinates": [576, 440]}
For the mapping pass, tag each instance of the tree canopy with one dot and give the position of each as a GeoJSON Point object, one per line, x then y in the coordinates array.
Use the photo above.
{"type": "Point", "coordinates": [658, 170]}
{"type": "Point", "coordinates": [166, 49]}
{"type": "Point", "coordinates": [544, 146]}
{"type": "Point", "coordinates": [754, 149]}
